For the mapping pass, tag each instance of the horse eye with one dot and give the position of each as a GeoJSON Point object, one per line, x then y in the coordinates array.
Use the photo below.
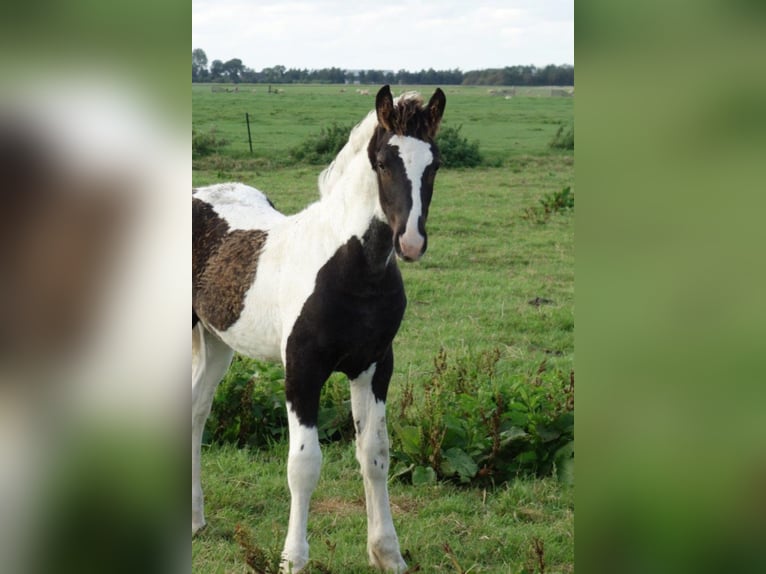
{"type": "Point", "coordinates": [381, 166]}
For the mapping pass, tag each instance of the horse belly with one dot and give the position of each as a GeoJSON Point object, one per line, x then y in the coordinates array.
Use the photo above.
{"type": "Point", "coordinates": [257, 333]}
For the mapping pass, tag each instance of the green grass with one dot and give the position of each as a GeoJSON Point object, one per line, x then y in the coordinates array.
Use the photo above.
{"type": "Point", "coordinates": [492, 530]}
{"type": "Point", "coordinates": [506, 128]}
{"type": "Point", "coordinates": [471, 292]}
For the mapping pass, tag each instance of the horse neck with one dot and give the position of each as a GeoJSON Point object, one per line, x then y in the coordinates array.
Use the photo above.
{"type": "Point", "coordinates": [353, 201]}
{"type": "Point", "coordinates": [356, 144]}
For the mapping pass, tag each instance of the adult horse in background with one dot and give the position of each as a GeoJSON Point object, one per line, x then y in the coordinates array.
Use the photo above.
{"type": "Point", "coordinates": [321, 291]}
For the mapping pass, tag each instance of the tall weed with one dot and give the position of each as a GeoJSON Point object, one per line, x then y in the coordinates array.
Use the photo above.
{"type": "Point", "coordinates": [564, 137]}
{"type": "Point", "coordinates": [472, 425]}
{"type": "Point", "coordinates": [556, 202]}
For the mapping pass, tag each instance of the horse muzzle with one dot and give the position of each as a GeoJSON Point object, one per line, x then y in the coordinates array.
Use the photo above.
{"type": "Point", "coordinates": [411, 247]}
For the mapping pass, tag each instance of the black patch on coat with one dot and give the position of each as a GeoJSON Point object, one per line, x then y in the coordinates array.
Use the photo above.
{"type": "Point", "coordinates": [383, 371]}
{"type": "Point", "coordinates": [377, 243]}
{"type": "Point", "coordinates": [223, 266]}
{"type": "Point", "coordinates": [395, 189]}
{"type": "Point", "coordinates": [347, 323]}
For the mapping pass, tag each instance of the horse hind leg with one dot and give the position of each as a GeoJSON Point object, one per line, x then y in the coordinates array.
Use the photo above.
{"type": "Point", "coordinates": [210, 360]}
{"type": "Point", "coordinates": [372, 452]}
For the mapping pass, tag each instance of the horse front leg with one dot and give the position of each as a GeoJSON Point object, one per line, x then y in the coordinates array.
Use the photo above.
{"type": "Point", "coordinates": [304, 461]}
{"type": "Point", "coordinates": [368, 395]}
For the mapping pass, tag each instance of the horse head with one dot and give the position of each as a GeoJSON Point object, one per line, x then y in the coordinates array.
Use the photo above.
{"type": "Point", "coordinates": [404, 155]}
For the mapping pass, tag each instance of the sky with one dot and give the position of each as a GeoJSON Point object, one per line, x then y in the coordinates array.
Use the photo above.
{"type": "Point", "coordinates": [385, 35]}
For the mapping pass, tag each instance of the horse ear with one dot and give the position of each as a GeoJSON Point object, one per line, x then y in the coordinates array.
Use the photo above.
{"type": "Point", "coordinates": [436, 107]}
{"type": "Point", "coordinates": [384, 105]}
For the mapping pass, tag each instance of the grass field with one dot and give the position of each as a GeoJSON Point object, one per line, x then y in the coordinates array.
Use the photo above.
{"type": "Point", "coordinates": [505, 128]}
{"type": "Point", "coordinates": [486, 261]}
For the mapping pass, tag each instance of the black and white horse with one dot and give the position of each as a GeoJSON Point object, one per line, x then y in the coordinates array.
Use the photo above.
{"type": "Point", "coordinates": [321, 291]}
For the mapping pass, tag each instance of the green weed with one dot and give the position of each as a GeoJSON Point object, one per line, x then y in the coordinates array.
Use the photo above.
{"type": "Point", "coordinates": [564, 137]}
{"type": "Point", "coordinates": [205, 144]}
{"type": "Point", "coordinates": [474, 426]}
{"type": "Point", "coordinates": [555, 202]}
{"type": "Point", "coordinates": [259, 560]}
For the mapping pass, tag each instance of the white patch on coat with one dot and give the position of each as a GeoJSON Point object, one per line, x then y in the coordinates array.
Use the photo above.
{"type": "Point", "coordinates": [296, 248]}
{"type": "Point", "coordinates": [304, 463]}
{"type": "Point", "coordinates": [241, 206]}
{"type": "Point", "coordinates": [372, 452]}
{"type": "Point", "coordinates": [210, 360]}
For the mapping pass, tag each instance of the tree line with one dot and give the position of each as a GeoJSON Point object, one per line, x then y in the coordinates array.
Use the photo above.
{"type": "Point", "coordinates": [235, 71]}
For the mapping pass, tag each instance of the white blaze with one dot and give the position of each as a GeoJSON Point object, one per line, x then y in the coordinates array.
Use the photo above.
{"type": "Point", "coordinates": [416, 155]}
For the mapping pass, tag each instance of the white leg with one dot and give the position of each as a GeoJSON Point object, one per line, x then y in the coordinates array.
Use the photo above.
{"type": "Point", "coordinates": [372, 454]}
{"type": "Point", "coordinates": [210, 359]}
{"type": "Point", "coordinates": [304, 463]}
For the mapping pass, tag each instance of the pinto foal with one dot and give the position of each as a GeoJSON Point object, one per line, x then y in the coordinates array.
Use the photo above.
{"type": "Point", "coordinates": [321, 291]}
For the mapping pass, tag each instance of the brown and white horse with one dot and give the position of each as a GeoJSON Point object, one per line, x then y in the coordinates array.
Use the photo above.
{"type": "Point", "coordinates": [321, 291]}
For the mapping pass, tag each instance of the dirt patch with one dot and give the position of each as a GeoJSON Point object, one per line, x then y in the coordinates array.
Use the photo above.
{"type": "Point", "coordinates": [338, 506]}
{"type": "Point", "coordinates": [400, 506]}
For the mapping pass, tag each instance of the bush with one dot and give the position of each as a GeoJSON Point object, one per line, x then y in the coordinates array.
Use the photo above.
{"type": "Point", "coordinates": [249, 406]}
{"type": "Point", "coordinates": [473, 426]}
{"type": "Point", "coordinates": [564, 138]}
{"type": "Point", "coordinates": [205, 144]}
{"type": "Point", "coordinates": [456, 150]}
{"type": "Point", "coordinates": [324, 146]}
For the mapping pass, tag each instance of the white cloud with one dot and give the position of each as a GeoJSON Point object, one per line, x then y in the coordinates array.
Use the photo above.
{"type": "Point", "coordinates": [392, 35]}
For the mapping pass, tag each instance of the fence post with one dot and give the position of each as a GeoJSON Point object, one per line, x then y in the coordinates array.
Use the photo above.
{"type": "Point", "coordinates": [249, 138]}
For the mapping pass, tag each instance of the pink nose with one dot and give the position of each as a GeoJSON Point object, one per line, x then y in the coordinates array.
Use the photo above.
{"type": "Point", "coordinates": [412, 247]}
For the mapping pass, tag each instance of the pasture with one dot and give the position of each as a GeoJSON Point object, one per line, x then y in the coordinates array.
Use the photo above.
{"type": "Point", "coordinates": [493, 279]}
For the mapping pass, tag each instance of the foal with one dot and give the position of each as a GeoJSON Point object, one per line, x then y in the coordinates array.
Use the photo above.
{"type": "Point", "coordinates": [320, 291]}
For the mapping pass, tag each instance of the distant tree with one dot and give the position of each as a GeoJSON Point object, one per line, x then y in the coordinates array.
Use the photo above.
{"type": "Point", "coordinates": [374, 77]}
{"type": "Point", "coordinates": [273, 75]}
{"type": "Point", "coordinates": [217, 71]}
{"type": "Point", "coordinates": [199, 65]}
{"type": "Point", "coordinates": [233, 69]}
{"type": "Point", "coordinates": [521, 76]}
{"type": "Point", "coordinates": [330, 76]}
{"type": "Point", "coordinates": [249, 75]}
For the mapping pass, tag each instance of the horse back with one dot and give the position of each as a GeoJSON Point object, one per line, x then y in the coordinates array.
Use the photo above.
{"type": "Point", "coordinates": [230, 227]}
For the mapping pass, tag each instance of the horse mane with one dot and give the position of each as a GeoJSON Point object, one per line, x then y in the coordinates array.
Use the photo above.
{"type": "Point", "coordinates": [409, 118]}
{"type": "Point", "coordinates": [407, 106]}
